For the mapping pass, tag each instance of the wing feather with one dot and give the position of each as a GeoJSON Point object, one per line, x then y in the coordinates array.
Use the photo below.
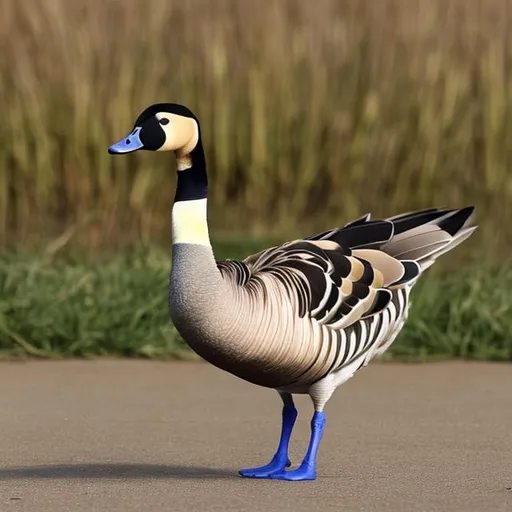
{"type": "Point", "coordinates": [339, 277]}
{"type": "Point", "coordinates": [326, 282]}
{"type": "Point", "coordinates": [342, 283]}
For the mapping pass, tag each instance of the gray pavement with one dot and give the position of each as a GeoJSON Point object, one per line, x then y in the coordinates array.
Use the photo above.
{"type": "Point", "coordinates": [153, 436]}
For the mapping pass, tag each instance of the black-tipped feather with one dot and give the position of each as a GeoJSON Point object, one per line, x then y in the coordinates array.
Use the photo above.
{"type": "Point", "coordinates": [360, 290]}
{"type": "Point", "coordinates": [368, 235]}
{"type": "Point", "coordinates": [342, 266]}
{"type": "Point", "coordinates": [417, 219]}
{"type": "Point", "coordinates": [454, 222]}
{"type": "Point", "coordinates": [382, 299]}
{"type": "Point", "coordinates": [415, 213]}
{"type": "Point", "coordinates": [412, 271]}
{"type": "Point", "coordinates": [368, 273]}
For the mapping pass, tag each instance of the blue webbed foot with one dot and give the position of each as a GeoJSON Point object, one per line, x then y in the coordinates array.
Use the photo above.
{"type": "Point", "coordinates": [307, 470]}
{"type": "Point", "coordinates": [274, 466]}
{"type": "Point", "coordinates": [303, 472]}
{"type": "Point", "coordinates": [280, 461]}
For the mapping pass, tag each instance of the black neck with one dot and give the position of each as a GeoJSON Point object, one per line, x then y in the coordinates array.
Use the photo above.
{"type": "Point", "coordinates": [193, 182]}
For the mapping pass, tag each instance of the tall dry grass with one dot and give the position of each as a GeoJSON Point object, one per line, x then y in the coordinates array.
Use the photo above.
{"type": "Point", "coordinates": [312, 112]}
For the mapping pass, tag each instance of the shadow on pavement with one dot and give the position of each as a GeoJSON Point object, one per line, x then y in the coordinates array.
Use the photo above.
{"type": "Point", "coordinates": [106, 471]}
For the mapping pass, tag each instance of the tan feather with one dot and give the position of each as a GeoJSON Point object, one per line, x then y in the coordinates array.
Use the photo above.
{"type": "Point", "coordinates": [357, 269]}
{"type": "Point", "coordinates": [328, 245]}
{"type": "Point", "coordinates": [391, 269]}
{"type": "Point", "coordinates": [346, 287]}
{"type": "Point", "coordinates": [378, 278]}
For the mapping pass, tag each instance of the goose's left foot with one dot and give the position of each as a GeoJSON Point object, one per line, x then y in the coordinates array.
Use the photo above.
{"type": "Point", "coordinates": [307, 470]}
{"type": "Point", "coordinates": [280, 461]}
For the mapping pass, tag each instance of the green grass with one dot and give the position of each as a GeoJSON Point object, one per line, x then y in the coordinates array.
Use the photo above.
{"type": "Point", "coordinates": [73, 306]}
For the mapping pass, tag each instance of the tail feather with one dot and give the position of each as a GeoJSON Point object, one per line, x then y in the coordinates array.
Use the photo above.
{"type": "Point", "coordinates": [419, 236]}
{"type": "Point", "coordinates": [423, 252]}
{"type": "Point", "coordinates": [429, 234]}
{"type": "Point", "coordinates": [458, 239]}
{"type": "Point", "coordinates": [415, 213]}
{"type": "Point", "coordinates": [416, 241]}
{"type": "Point", "coordinates": [413, 220]}
{"type": "Point", "coordinates": [452, 223]}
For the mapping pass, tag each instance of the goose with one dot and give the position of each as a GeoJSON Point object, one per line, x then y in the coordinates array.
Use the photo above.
{"type": "Point", "coordinates": [301, 317]}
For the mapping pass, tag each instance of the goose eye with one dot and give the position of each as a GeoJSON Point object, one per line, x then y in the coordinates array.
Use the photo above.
{"type": "Point", "coordinates": [164, 121]}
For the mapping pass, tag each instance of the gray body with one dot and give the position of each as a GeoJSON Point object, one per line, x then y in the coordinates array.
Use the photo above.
{"type": "Point", "coordinates": [259, 340]}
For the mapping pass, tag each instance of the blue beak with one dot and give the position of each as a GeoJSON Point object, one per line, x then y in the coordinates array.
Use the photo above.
{"type": "Point", "coordinates": [128, 145]}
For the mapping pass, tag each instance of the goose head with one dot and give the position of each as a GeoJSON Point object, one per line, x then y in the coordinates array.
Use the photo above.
{"type": "Point", "coordinates": [161, 127]}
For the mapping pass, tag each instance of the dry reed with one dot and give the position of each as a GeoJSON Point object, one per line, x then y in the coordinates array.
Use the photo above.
{"type": "Point", "coordinates": [312, 112]}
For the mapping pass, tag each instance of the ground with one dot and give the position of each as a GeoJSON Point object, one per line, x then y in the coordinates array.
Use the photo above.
{"type": "Point", "coordinates": [139, 435]}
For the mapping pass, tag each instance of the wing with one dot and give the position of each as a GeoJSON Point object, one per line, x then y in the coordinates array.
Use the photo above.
{"type": "Point", "coordinates": [325, 279]}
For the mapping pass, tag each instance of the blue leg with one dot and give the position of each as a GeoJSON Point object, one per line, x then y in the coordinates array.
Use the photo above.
{"type": "Point", "coordinates": [307, 470]}
{"type": "Point", "coordinates": [280, 461]}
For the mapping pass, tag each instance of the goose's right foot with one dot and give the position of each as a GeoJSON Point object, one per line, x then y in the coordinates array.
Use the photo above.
{"type": "Point", "coordinates": [276, 465]}
{"type": "Point", "coordinates": [307, 470]}
{"type": "Point", "coordinates": [280, 461]}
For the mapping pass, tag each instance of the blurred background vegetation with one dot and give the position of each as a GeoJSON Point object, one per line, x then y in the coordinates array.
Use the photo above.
{"type": "Point", "coordinates": [313, 113]}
